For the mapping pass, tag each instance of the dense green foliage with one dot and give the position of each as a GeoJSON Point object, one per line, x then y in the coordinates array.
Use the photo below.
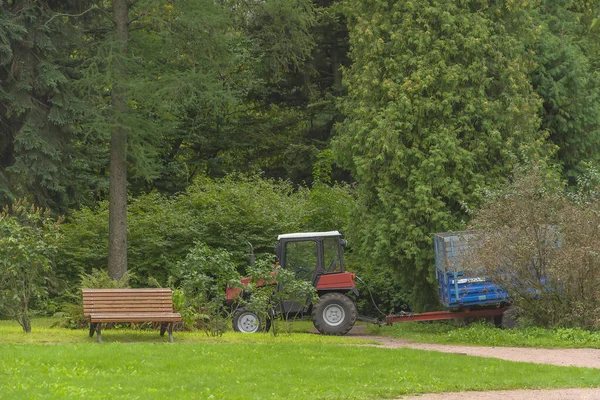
{"type": "Point", "coordinates": [201, 279]}
{"type": "Point", "coordinates": [29, 240]}
{"type": "Point", "coordinates": [226, 213]}
{"type": "Point", "coordinates": [568, 85]}
{"type": "Point", "coordinates": [438, 107]}
{"type": "Point", "coordinates": [241, 116]}
{"type": "Point", "coordinates": [37, 103]}
{"type": "Point", "coordinates": [267, 291]}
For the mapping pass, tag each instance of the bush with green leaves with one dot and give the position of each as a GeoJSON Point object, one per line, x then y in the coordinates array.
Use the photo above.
{"type": "Point", "coordinates": [29, 239]}
{"type": "Point", "coordinates": [269, 287]}
{"type": "Point", "coordinates": [201, 279]}
{"type": "Point", "coordinates": [225, 213]}
{"type": "Point", "coordinates": [234, 211]}
{"type": "Point", "coordinates": [380, 290]}
{"type": "Point", "coordinates": [160, 234]}
{"type": "Point", "coordinates": [237, 210]}
{"type": "Point", "coordinates": [326, 207]}
{"type": "Point", "coordinates": [99, 279]}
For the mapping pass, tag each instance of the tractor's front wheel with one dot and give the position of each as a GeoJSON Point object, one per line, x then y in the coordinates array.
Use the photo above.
{"type": "Point", "coordinates": [334, 314]}
{"type": "Point", "coordinates": [247, 321]}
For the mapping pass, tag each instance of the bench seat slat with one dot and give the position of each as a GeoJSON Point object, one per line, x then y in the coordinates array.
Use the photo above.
{"type": "Point", "coordinates": [127, 296]}
{"type": "Point", "coordinates": [128, 302]}
{"type": "Point", "coordinates": [127, 310]}
{"type": "Point", "coordinates": [136, 317]}
{"type": "Point", "coordinates": [116, 301]}
{"type": "Point", "coordinates": [127, 305]}
{"type": "Point", "coordinates": [129, 290]}
{"type": "Point", "coordinates": [161, 307]}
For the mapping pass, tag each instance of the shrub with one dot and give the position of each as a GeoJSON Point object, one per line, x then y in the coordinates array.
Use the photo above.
{"type": "Point", "coordinates": [29, 238]}
{"type": "Point", "coordinates": [99, 279]}
{"type": "Point", "coordinates": [325, 207]}
{"type": "Point", "coordinates": [160, 233]}
{"type": "Point", "coordinates": [235, 210]}
{"type": "Point", "coordinates": [380, 290]}
{"type": "Point", "coordinates": [226, 214]}
{"type": "Point", "coordinates": [201, 279]}
{"type": "Point", "coordinates": [541, 247]}
{"type": "Point", "coordinates": [269, 288]}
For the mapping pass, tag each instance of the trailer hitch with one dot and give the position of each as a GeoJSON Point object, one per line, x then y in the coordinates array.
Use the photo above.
{"type": "Point", "coordinates": [371, 320]}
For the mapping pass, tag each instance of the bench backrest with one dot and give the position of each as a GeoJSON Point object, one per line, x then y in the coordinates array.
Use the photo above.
{"type": "Point", "coordinates": [126, 301]}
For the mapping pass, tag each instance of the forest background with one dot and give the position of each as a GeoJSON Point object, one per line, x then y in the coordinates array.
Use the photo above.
{"type": "Point", "coordinates": [224, 122]}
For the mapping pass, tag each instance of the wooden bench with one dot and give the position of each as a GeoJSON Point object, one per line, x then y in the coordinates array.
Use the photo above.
{"type": "Point", "coordinates": [129, 305]}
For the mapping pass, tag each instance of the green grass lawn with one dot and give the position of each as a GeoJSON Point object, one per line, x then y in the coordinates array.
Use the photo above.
{"type": "Point", "coordinates": [44, 331]}
{"type": "Point", "coordinates": [62, 363]}
{"type": "Point", "coordinates": [483, 334]}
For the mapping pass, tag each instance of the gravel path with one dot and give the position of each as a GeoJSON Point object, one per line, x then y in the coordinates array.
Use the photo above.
{"type": "Point", "coordinates": [589, 358]}
{"type": "Point", "coordinates": [558, 394]}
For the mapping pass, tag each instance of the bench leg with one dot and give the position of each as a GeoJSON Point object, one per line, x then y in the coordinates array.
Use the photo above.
{"type": "Point", "coordinates": [171, 332]}
{"type": "Point", "coordinates": [98, 332]}
{"type": "Point", "coordinates": [163, 328]}
{"type": "Point", "coordinates": [92, 329]}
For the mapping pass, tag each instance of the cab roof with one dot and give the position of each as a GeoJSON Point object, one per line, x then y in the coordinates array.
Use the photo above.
{"type": "Point", "coordinates": [301, 235]}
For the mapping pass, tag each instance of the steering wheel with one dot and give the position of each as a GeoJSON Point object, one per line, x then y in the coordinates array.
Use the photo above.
{"type": "Point", "coordinates": [301, 269]}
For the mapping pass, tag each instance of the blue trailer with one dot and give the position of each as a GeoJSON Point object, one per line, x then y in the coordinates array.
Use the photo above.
{"type": "Point", "coordinates": [466, 295]}
{"type": "Point", "coordinates": [457, 288]}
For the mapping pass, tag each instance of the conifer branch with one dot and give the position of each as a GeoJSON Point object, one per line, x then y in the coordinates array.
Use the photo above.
{"type": "Point", "coordinates": [94, 7]}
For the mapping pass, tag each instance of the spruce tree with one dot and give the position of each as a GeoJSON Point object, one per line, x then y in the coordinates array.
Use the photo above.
{"type": "Point", "coordinates": [37, 106]}
{"type": "Point", "coordinates": [568, 84]}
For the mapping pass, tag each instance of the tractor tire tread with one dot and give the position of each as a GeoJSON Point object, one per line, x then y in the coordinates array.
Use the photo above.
{"type": "Point", "coordinates": [349, 309]}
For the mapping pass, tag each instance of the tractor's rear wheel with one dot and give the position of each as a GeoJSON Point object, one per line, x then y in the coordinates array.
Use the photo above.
{"type": "Point", "coordinates": [247, 321]}
{"type": "Point", "coordinates": [334, 314]}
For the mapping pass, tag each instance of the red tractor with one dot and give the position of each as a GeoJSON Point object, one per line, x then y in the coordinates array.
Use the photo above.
{"type": "Point", "coordinates": [315, 257]}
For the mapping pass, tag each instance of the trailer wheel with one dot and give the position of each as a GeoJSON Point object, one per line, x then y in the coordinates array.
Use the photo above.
{"type": "Point", "coordinates": [247, 321]}
{"type": "Point", "coordinates": [334, 314]}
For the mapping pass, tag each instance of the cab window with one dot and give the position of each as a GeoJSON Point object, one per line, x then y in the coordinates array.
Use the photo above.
{"type": "Point", "coordinates": [331, 255]}
{"type": "Point", "coordinates": [301, 257]}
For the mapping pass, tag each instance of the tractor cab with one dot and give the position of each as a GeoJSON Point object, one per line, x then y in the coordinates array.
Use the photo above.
{"type": "Point", "coordinates": [311, 254]}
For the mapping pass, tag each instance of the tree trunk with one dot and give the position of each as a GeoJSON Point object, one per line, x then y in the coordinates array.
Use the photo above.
{"type": "Point", "coordinates": [26, 322]}
{"type": "Point", "coordinates": [117, 220]}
